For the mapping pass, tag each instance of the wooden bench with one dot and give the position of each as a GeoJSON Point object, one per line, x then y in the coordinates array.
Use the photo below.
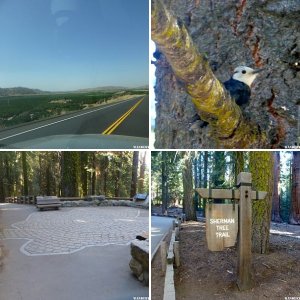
{"type": "Point", "coordinates": [48, 202]}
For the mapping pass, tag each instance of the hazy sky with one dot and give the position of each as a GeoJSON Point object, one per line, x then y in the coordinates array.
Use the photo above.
{"type": "Point", "coordinates": [72, 44]}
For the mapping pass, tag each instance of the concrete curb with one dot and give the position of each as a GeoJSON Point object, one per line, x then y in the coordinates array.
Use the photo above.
{"type": "Point", "coordinates": [157, 247]}
{"type": "Point", "coordinates": [169, 288]}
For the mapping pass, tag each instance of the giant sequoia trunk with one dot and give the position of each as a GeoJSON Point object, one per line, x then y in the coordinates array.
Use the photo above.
{"type": "Point", "coordinates": [261, 167]}
{"type": "Point", "coordinates": [295, 204]}
{"type": "Point", "coordinates": [256, 33]}
{"type": "Point", "coordinates": [188, 191]}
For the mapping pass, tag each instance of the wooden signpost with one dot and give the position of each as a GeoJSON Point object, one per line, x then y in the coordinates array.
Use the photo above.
{"type": "Point", "coordinates": [224, 236]}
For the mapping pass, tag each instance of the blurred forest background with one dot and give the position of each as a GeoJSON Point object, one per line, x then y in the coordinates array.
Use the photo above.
{"type": "Point", "coordinates": [73, 174]}
{"type": "Point", "coordinates": [175, 174]}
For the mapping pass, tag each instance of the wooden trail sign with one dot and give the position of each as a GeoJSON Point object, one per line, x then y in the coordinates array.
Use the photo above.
{"type": "Point", "coordinates": [245, 195]}
{"type": "Point", "coordinates": [221, 225]}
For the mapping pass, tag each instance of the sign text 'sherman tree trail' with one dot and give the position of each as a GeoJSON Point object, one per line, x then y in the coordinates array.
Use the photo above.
{"type": "Point", "coordinates": [221, 225]}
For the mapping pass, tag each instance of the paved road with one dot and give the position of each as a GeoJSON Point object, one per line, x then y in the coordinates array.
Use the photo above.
{"type": "Point", "coordinates": [70, 254]}
{"type": "Point", "coordinates": [159, 227]}
{"type": "Point", "coordinates": [127, 117]}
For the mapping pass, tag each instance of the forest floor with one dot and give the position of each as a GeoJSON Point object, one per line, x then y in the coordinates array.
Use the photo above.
{"type": "Point", "coordinates": [212, 275]}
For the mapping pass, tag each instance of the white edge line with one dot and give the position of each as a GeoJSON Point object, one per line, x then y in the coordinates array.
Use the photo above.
{"type": "Point", "coordinates": [53, 123]}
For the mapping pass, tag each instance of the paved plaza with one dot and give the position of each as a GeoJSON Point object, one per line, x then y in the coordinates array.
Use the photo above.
{"type": "Point", "coordinates": [70, 230]}
{"type": "Point", "coordinates": [72, 253]}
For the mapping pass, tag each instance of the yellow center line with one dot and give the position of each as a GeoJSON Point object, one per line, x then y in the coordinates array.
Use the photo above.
{"type": "Point", "coordinates": [116, 124]}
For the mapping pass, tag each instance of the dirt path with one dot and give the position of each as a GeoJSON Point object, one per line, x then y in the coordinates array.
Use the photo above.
{"type": "Point", "coordinates": [212, 275]}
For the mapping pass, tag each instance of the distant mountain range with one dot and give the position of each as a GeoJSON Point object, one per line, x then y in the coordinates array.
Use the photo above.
{"type": "Point", "coordinates": [19, 91]}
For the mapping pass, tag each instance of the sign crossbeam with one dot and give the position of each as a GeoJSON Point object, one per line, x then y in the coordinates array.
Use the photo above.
{"type": "Point", "coordinates": [228, 194]}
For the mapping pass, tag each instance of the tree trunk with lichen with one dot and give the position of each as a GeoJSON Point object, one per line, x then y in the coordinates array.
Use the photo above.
{"type": "Point", "coordinates": [261, 167]}
{"type": "Point", "coordinates": [206, 40]}
{"type": "Point", "coordinates": [239, 163]}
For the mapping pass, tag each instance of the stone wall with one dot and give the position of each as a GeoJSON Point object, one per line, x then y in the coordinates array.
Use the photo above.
{"type": "Point", "coordinates": [139, 263]}
{"type": "Point", "coordinates": [82, 203]}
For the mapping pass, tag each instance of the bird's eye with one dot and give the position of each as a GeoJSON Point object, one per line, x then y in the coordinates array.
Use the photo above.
{"type": "Point", "coordinates": [244, 72]}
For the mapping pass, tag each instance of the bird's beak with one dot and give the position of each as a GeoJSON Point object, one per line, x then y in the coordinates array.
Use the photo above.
{"type": "Point", "coordinates": [257, 71]}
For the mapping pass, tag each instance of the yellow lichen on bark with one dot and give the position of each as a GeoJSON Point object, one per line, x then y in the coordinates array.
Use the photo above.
{"type": "Point", "coordinates": [210, 98]}
{"type": "Point", "coordinates": [261, 167]}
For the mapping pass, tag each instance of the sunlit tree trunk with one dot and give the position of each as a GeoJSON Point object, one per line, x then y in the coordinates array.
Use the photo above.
{"type": "Point", "coordinates": [261, 167]}
{"type": "Point", "coordinates": [188, 191]}
{"type": "Point", "coordinates": [141, 181]}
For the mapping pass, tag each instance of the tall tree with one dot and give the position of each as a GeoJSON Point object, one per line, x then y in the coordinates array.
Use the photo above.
{"type": "Point", "coordinates": [219, 169]}
{"type": "Point", "coordinates": [25, 173]}
{"type": "Point", "coordinates": [70, 174]}
{"type": "Point", "coordinates": [118, 172]}
{"type": "Point", "coordinates": [188, 191]}
{"type": "Point", "coordinates": [83, 170]}
{"type": "Point", "coordinates": [261, 167]}
{"type": "Point", "coordinates": [295, 201]}
{"type": "Point", "coordinates": [164, 183]}
{"type": "Point", "coordinates": [276, 198]}
{"type": "Point", "coordinates": [205, 178]}
{"type": "Point", "coordinates": [141, 180]}
{"type": "Point", "coordinates": [239, 163]}
{"type": "Point", "coordinates": [135, 163]}
{"type": "Point", "coordinates": [2, 189]}
{"type": "Point", "coordinates": [93, 174]}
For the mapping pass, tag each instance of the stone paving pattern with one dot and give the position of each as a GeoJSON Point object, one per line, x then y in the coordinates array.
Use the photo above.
{"type": "Point", "coordinates": [69, 230]}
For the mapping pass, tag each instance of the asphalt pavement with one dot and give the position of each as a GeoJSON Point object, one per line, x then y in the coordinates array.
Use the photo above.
{"type": "Point", "coordinates": [93, 272]}
{"type": "Point", "coordinates": [129, 117]}
{"type": "Point", "coordinates": [160, 226]}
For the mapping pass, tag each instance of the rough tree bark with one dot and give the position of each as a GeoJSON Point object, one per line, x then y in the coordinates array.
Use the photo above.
{"type": "Point", "coordinates": [261, 167]}
{"type": "Point", "coordinates": [295, 199]}
{"type": "Point", "coordinates": [276, 198]}
{"type": "Point", "coordinates": [239, 163]}
{"type": "Point", "coordinates": [256, 33]}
